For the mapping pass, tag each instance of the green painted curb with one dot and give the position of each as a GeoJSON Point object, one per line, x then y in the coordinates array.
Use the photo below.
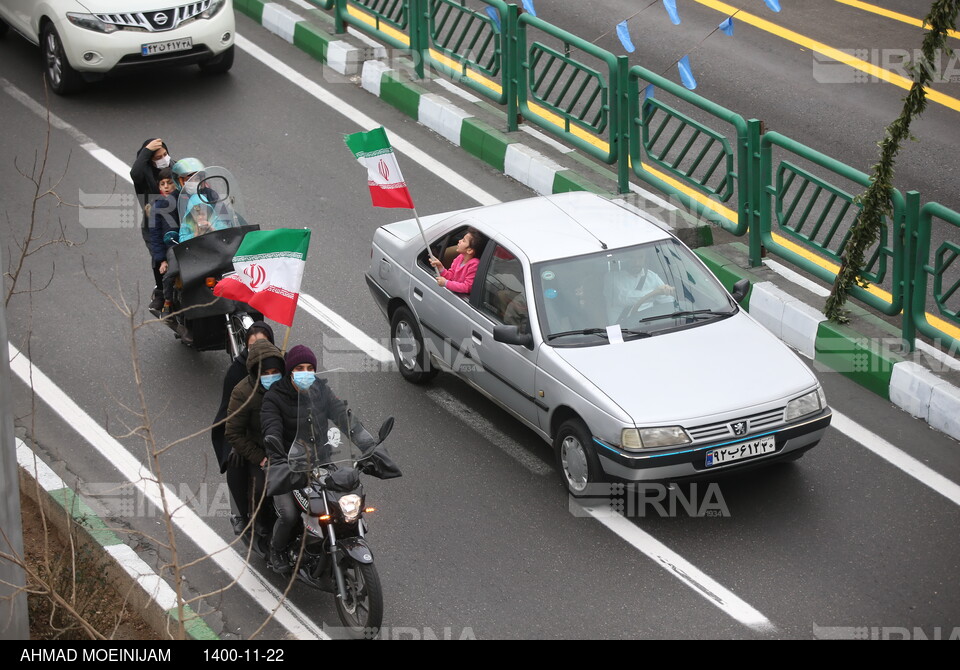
{"type": "Point", "coordinates": [311, 40]}
{"type": "Point", "coordinates": [852, 355]}
{"type": "Point", "coordinates": [194, 625]}
{"type": "Point", "coordinates": [484, 141]}
{"type": "Point", "coordinates": [252, 8]}
{"type": "Point", "coordinates": [83, 515]}
{"type": "Point", "coordinates": [400, 94]}
{"type": "Point", "coordinates": [565, 181]}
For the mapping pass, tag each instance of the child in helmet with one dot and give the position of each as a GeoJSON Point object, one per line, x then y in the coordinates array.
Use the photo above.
{"type": "Point", "coordinates": [199, 219]}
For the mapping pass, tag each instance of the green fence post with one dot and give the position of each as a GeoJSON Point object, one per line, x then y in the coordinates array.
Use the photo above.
{"type": "Point", "coordinates": [419, 33]}
{"type": "Point", "coordinates": [511, 67]}
{"type": "Point", "coordinates": [620, 132]}
{"type": "Point", "coordinates": [754, 185]}
{"type": "Point", "coordinates": [339, 9]}
{"type": "Point", "coordinates": [908, 275]}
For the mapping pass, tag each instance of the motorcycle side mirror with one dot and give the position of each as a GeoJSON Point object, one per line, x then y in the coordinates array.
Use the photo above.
{"type": "Point", "coordinates": [386, 428]}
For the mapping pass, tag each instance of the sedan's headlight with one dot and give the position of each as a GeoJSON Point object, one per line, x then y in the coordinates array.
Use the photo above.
{"type": "Point", "coordinates": [215, 6]}
{"type": "Point", "coordinates": [350, 506]}
{"type": "Point", "coordinates": [90, 22]}
{"type": "Point", "coordinates": [634, 439]}
{"type": "Point", "coordinates": [805, 404]}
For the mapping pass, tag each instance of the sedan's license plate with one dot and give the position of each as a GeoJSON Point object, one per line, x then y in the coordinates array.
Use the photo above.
{"type": "Point", "coordinates": [736, 452]}
{"type": "Point", "coordinates": [154, 48]}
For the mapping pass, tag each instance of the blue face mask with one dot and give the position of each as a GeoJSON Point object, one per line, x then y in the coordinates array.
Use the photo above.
{"type": "Point", "coordinates": [304, 380]}
{"type": "Point", "coordinates": [268, 380]}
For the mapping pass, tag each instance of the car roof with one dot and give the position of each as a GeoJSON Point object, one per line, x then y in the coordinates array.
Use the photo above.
{"type": "Point", "coordinates": [562, 225]}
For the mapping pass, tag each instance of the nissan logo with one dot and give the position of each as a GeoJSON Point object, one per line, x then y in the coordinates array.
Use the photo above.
{"type": "Point", "coordinates": [160, 18]}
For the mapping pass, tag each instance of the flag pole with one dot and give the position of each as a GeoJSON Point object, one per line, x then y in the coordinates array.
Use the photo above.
{"type": "Point", "coordinates": [423, 235]}
{"type": "Point", "coordinates": [286, 336]}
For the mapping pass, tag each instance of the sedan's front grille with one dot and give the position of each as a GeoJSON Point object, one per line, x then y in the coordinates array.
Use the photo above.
{"type": "Point", "coordinates": [156, 21]}
{"type": "Point", "coordinates": [737, 427]}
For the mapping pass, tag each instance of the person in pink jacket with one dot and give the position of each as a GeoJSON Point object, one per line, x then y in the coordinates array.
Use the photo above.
{"type": "Point", "coordinates": [459, 276]}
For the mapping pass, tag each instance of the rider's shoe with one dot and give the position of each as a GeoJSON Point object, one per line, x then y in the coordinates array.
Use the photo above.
{"type": "Point", "coordinates": [184, 334]}
{"type": "Point", "coordinates": [279, 562]}
{"type": "Point", "coordinates": [156, 303]}
{"type": "Point", "coordinates": [261, 545]}
{"type": "Point", "coordinates": [239, 523]}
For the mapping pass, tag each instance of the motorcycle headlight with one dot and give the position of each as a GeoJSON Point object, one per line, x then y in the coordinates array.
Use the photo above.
{"type": "Point", "coordinates": [805, 404]}
{"type": "Point", "coordinates": [633, 439]}
{"type": "Point", "coordinates": [90, 22]}
{"type": "Point", "coordinates": [215, 6]}
{"type": "Point", "coordinates": [350, 506]}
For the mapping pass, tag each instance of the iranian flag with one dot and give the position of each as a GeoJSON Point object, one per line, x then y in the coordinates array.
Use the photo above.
{"type": "Point", "coordinates": [268, 270]}
{"type": "Point", "coordinates": [374, 152]}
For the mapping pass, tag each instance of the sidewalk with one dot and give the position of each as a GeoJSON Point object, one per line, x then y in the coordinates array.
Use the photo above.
{"type": "Point", "coordinates": [868, 350]}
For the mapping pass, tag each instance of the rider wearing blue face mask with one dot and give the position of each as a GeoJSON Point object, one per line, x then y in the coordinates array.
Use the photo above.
{"type": "Point", "coordinates": [244, 432]}
{"type": "Point", "coordinates": [283, 421]}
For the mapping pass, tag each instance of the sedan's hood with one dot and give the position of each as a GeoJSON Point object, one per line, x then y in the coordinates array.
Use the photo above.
{"type": "Point", "coordinates": [695, 375]}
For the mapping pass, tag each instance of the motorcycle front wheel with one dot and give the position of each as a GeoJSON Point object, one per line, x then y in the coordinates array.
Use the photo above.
{"type": "Point", "coordinates": [361, 612]}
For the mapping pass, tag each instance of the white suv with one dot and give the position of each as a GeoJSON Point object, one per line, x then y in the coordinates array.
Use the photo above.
{"type": "Point", "coordinates": [85, 40]}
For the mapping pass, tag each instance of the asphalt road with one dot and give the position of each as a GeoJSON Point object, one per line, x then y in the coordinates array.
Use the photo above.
{"type": "Point", "coordinates": [475, 539]}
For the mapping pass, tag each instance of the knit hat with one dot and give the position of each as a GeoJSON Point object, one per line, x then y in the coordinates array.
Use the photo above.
{"type": "Point", "coordinates": [272, 362]}
{"type": "Point", "coordinates": [298, 355]}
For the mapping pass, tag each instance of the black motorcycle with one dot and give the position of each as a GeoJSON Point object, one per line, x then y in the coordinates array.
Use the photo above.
{"type": "Point", "coordinates": [329, 548]}
{"type": "Point", "coordinates": [200, 319]}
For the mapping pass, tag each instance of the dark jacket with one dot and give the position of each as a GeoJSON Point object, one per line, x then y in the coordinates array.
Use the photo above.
{"type": "Point", "coordinates": [236, 373]}
{"type": "Point", "coordinates": [144, 176]}
{"type": "Point", "coordinates": [164, 217]}
{"type": "Point", "coordinates": [243, 430]}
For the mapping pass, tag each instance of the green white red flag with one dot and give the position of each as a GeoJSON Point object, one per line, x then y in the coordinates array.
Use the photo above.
{"type": "Point", "coordinates": [268, 269]}
{"type": "Point", "coordinates": [373, 150]}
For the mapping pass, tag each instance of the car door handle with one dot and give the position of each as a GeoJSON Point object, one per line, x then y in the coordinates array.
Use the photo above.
{"type": "Point", "coordinates": [418, 294]}
{"type": "Point", "coordinates": [477, 338]}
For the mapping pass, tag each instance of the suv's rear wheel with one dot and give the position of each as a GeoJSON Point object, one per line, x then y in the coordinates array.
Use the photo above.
{"type": "Point", "coordinates": [61, 77]}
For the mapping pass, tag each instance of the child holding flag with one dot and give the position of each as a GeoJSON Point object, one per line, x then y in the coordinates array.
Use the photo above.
{"type": "Point", "coordinates": [462, 271]}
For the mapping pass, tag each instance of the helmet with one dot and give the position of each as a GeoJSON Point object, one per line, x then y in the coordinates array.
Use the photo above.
{"type": "Point", "coordinates": [187, 166]}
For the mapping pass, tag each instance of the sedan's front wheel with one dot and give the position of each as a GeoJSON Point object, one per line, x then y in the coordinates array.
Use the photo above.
{"type": "Point", "coordinates": [61, 77]}
{"type": "Point", "coordinates": [411, 356]}
{"type": "Point", "coordinates": [576, 457]}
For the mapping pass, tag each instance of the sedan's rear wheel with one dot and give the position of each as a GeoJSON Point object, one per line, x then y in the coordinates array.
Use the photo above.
{"type": "Point", "coordinates": [61, 77]}
{"type": "Point", "coordinates": [411, 356]}
{"type": "Point", "coordinates": [576, 457]}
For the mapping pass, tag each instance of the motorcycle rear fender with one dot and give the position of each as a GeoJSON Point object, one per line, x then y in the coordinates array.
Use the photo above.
{"type": "Point", "coordinates": [356, 548]}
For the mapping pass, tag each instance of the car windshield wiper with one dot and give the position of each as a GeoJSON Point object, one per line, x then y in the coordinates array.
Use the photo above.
{"type": "Point", "coordinates": [585, 331]}
{"type": "Point", "coordinates": [636, 333]}
{"type": "Point", "coordinates": [698, 313]}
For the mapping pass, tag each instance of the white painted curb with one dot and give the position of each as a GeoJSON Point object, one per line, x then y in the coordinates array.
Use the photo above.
{"type": "Point", "coordinates": [344, 58]}
{"type": "Point", "coordinates": [530, 167]}
{"type": "Point", "coordinates": [945, 410]}
{"type": "Point", "coordinates": [371, 75]}
{"type": "Point", "coordinates": [911, 387]}
{"type": "Point", "coordinates": [280, 20]}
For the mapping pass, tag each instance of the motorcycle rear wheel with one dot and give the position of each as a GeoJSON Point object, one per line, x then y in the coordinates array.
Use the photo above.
{"type": "Point", "coordinates": [362, 612]}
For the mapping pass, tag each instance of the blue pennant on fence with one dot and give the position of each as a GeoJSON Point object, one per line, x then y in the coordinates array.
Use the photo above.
{"type": "Point", "coordinates": [773, 4]}
{"type": "Point", "coordinates": [647, 100]}
{"type": "Point", "coordinates": [624, 34]}
{"type": "Point", "coordinates": [495, 15]}
{"type": "Point", "coordinates": [727, 26]}
{"type": "Point", "coordinates": [686, 74]}
{"type": "Point", "coordinates": [671, 7]}
{"type": "Point", "coordinates": [528, 5]}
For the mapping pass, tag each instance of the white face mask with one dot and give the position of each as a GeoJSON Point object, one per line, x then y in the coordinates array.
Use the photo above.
{"type": "Point", "coordinates": [162, 163]}
{"type": "Point", "coordinates": [190, 187]}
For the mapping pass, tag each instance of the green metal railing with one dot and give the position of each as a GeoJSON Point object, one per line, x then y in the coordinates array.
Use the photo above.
{"type": "Point", "coordinates": [721, 168]}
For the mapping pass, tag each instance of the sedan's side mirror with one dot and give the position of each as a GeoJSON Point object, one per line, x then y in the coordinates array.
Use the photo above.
{"type": "Point", "coordinates": [740, 290]}
{"type": "Point", "coordinates": [512, 335]}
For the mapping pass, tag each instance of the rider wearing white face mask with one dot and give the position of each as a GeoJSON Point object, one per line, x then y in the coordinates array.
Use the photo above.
{"type": "Point", "coordinates": [151, 158]}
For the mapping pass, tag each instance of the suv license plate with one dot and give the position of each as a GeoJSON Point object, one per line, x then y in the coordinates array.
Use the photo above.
{"type": "Point", "coordinates": [154, 48]}
{"type": "Point", "coordinates": [736, 452]}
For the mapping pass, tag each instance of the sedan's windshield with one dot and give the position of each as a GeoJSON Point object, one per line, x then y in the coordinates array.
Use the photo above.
{"type": "Point", "coordinates": [644, 290]}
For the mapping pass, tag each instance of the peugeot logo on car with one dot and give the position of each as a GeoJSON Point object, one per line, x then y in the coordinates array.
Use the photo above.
{"type": "Point", "coordinates": [739, 428]}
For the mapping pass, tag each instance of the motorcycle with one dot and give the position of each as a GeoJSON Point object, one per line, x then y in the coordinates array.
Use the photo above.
{"type": "Point", "coordinates": [329, 548]}
{"type": "Point", "coordinates": [202, 320]}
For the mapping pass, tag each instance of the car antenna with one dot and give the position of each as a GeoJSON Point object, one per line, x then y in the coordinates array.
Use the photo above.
{"type": "Point", "coordinates": [603, 245]}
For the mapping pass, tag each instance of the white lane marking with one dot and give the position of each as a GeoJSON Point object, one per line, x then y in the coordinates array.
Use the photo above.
{"type": "Point", "coordinates": [682, 569]}
{"type": "Point", "coordinates": [367, 123]}
{"type": "Point", "coordinates": [896, 457]}
{"type": "Point", "coordinates": [338, 324]}
{"type": "Point", "coordinates": [116, 165]}
{"type": "Point", "coordinates": [192, 525]}
{"type": "Point", "coordinates": [489, 431]}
